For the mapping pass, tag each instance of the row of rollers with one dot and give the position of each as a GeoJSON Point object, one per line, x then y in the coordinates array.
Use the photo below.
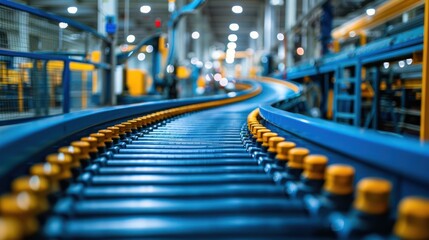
{"type": "Point", "coordinates": [31, 196]}
{"type": "Point", "coordinates": [336, 181]}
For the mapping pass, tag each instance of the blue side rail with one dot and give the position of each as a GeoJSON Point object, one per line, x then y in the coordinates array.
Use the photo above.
{"type": "Point", "coordinates": [404, 161]}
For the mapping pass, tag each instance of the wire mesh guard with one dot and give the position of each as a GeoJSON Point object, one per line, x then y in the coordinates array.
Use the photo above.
{"type": "Point", "coordinates": [32, 86]}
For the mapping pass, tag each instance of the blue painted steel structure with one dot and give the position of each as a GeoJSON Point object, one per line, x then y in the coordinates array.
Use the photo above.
{"type": "Point", "coordinates": [347, 107]}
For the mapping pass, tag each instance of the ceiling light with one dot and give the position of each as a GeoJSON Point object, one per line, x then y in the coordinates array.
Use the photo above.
{"type": "Point", "coordinates": [386, 65]}
{"type": "Point", "coordinates": [170, 68]}
{"type": "Point", "coordinates": [280, 36]}
{"type": "Point", "coordinates": [230, 52]}
{"type": "Point", "coordinates": [209, 77]}
{"type": "Point", "coordinates": [195, 35]}
{"type": "Point", "coordinates": [232, 38]}
{"type": "Point", "coordinates": [63, 25]}
{"type": "Point", "coordinates": [141, 56]}
{"type": "Point", "coordinates": [216, 54]}
{"type": "Point", "coordinates": [237, 9]}
{"type": "Point", "coordinates": [254, 34]}
{"type": "Point", "coordinates": [145, 9]}
{"type": "Point", "coordinates": [409, 61]}
{"type": "Point", "coordinates": [194, 60]}
{"type": "Point", "coordinates": [131, 38]}
{"type": "Point", "coordinates": [401, 64]}
{"type": "Point", "coordinates": [300, 51]}
{"type": "Point", "coordinates": [234, 27]}
{"type": "Point", "coordinates": [352, 34]}
{"type": "Point", "coordinates": [72, 10]}
{"type": "Point", "coordinates": [199, 64]}
{"type": "Point", "coordinates": [232, 45]}
{"type": "Point", "coordinates": [208, 65]}
{"type": "Point", "coordinates": [149, 48]}
{"type": "Point", "coordinates": [277, 2]}
{"type": "Point", "coordinates": [370, 11]}
{"type": "Point", "coordinates": [217, 77]}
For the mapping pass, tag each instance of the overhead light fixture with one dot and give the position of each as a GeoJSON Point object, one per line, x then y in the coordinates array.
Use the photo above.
{"type": "Point", "coordinates": [237, 9]}
{"type": "Point", "coordinates": [232, 38]}
{"type": "Point", "coordinates": [72, 10]}
{"type": "Point", "coordinates": [149, 48]}
{"type": "Point", "coordinates": [223, 82]}
{"type": "Point", "coordinates": [254, 34]}
{"type": "Point", "coordinates": [386, 65]}
{"type": "Point", "coordinates": [352, 34]}
{"type": "Point", "coordinates": [131, 38]}
{"type": "Point", "coordinates": [409, 61]}
{"type": "Point", "coordinates": [170, 68]}
{"type": "Point", "coordinates": [401, 64]}
{"type": "Point", "coordinates": [194, 60]}
{"type": "Point", "coordinates": [208, 65]}
{"type": "Point", "coordinates": [141, 56]}
{"type": "Point", "coordinates": [217, 77]}
{"type": "Point", "coordinates": [63, 25]}
{"type": "Point", "coordinates": [195, 35]}
{"type": "Point", "coordinates": [300, 51]}
{"type": "Point", "coordinates": [216, 54]}
{"type": "Point", "coordinates": [145, 9]}
{"type": "Point", "coordinates": [280, 36]}
{"type": "Point", "coordinates": [234, 27]}
{"type": "Point", "coordinates": [276, 2]}
{"type": "Point", "coordinates": [370, 12]}
{"type": "Point", "coordinates": [232, 45]}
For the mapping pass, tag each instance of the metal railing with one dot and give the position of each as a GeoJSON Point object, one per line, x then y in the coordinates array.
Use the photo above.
{"type": "Point", "coordinates": [48, 64]}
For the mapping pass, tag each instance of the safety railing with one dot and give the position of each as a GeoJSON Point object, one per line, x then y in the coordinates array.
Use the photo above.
{"type": "Point", "coordinates": [48, 64]}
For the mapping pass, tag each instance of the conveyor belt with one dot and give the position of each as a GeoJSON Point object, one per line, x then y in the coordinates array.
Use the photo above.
{"type": "Point", "coordinates": [191, 177]}
{"type": "Point", "coordinates": [203, 175]}
{"type": "Point", "coordinates": [221, 192]}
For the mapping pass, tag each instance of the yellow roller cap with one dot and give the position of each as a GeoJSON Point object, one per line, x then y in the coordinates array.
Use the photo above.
{"type": "Point", "coordinates": [272, 144]}
{"type": "Point", "coordinates": [84, 149]}
{"type": "Point", "coordinates": [23, 206]}
{"type": "Point", "coordinates": [255, 131]}
{"type": "Point", "coordinates": [92, 143]}
{"type": "Point", "coordinates": [49, 171]}
{"type": "Point", "coordinates": [260, 134]}
{"type": "Point", "coordinates": [372, 195]}
{"type": "Point", "coordinates": [100, 139]}
{"type": "Point", "coordinates": [74, 152]}
{"type": "Point", "coordinates": [10, 228]}
{"type": "Point", "coordinates": [413, 219]}
{"type": "Point", "coordinates": [64, 161]}
{"type": "Point", "coordinates": [266, 138]}
{"type": "Point", "coordinates": [339, 179]}
{"type": "Point", "coordinates": [314, 167]}
{"type": "Point", "coordinates": [283, 149]}
{"type": "Point", "coordinates": [107, 135]}
{"type": "Point", "coordinates": [296, 157]}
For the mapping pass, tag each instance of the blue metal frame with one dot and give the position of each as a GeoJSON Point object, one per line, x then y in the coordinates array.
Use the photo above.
{"type": "Point", "coordinates": [66, 71]}
{"type": "Point", "coordinates": [66, 87]}
{"type": "Point", "coordinates": [30, 138]}
{"type": "Point", "coordinates": [174, 20]}
{"type": "Point", "coordinates": [187, 9]}
{"type": "Point", "coordinates": [40, 13]}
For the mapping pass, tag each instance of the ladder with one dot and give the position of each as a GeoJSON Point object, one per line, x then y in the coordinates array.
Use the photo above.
{"type": "Point", "coordinates": [347, 94]}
